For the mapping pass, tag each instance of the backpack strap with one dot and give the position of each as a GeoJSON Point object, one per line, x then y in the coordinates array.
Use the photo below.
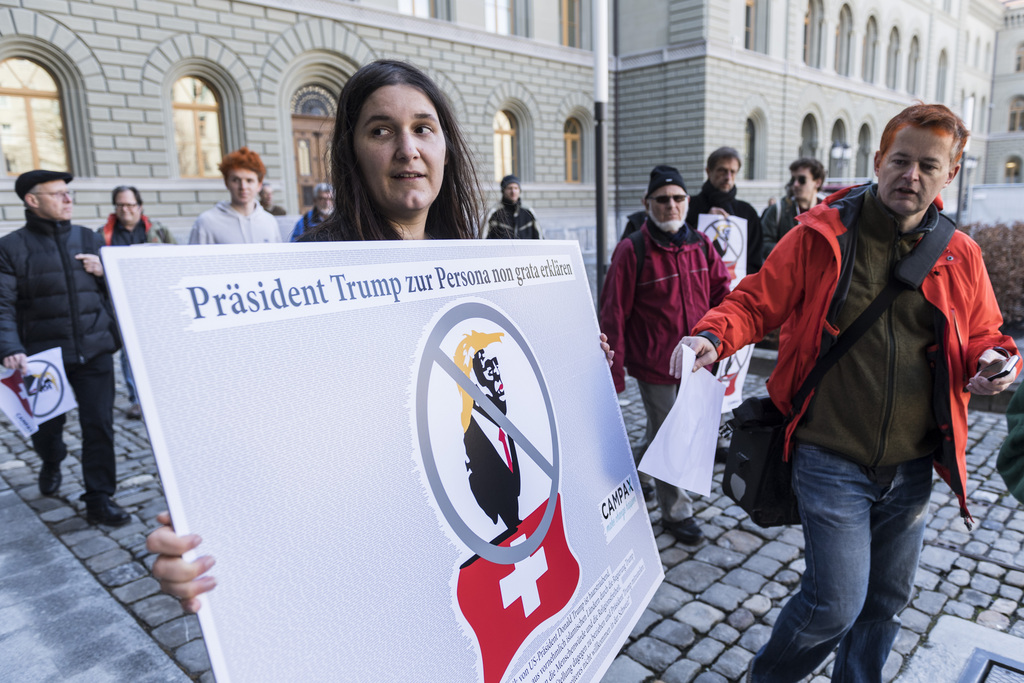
{"type": "Point", "coordinates": [915, 266]}
{"type": "Point", "coordinates": [639, 249]}
{"type": "Point", "coordinates": [908, 273]}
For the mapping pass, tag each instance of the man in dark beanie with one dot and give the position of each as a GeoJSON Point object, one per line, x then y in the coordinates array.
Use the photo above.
{"type": "Point", "coordinates": [52, 294]}
{"type": "Point", "coordinates": [511, 220]}
{"type": "Point", "coordinates": [662, 279]}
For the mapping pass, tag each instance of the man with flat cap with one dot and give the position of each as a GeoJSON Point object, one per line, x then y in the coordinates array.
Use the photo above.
{"type": "Point", "coordinates": [662, 279]}
{"type": "Point", "coordinates": [52, 294]}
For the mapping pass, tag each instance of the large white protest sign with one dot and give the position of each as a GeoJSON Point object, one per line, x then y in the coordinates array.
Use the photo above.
{"type": "Point", "coordinates": [405, 457]}
{"type": "Point", "coordinates": [729, 237]}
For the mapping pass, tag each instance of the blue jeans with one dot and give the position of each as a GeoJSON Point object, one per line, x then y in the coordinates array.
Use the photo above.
{"type": "Point", "coordinates": [129, 379]}
{"type": "Point", "coordinates": [862, 541]}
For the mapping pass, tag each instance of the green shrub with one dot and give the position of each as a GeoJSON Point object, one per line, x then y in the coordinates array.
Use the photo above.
{"type": "Point", "coordinates": [1003, 249]}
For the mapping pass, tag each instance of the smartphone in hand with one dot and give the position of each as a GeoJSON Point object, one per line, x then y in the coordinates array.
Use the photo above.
{"type": "Point", "coordinates": [1000, 368]}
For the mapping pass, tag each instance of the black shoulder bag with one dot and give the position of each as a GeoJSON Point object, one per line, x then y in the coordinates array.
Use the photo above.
{"type": "Point", "coordinates": [757, 476]}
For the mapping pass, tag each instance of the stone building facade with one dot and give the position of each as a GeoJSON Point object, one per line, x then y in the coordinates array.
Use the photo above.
{"type": "Point", "coordinates": [779, 80]}
{"type": "Point", "coordinates": [1006, 140]}
{"type": "Point", "coordinates": [151, 92]}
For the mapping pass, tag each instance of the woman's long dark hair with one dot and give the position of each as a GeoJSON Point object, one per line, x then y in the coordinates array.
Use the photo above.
{"type": "Point", "coordinates": [454, 214]}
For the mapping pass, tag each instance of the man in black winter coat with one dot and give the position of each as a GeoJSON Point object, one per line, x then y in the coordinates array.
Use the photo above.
{"type": "Point", "coordinates": [511, 220]}
{"type": "Point", "coordinates": [52, 294]}
{"type": "Point", "coordinates": [718, 196]}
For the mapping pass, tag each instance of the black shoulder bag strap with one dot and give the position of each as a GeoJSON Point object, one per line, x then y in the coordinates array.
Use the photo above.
{"type": "Point", "coordinates": [909, 273]}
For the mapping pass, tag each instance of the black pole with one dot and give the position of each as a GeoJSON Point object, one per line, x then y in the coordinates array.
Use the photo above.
{"type": "Point", "coordinates": [600, 135]}
{"type": "Point", "coordinates": [600, 27]}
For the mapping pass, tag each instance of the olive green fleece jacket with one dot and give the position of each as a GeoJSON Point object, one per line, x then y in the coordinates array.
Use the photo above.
{"type": "Point", "coordinates": [875, 405]}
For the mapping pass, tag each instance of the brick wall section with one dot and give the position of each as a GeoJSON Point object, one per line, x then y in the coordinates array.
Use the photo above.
{"type": "Point", "coordinates": [129, 52]}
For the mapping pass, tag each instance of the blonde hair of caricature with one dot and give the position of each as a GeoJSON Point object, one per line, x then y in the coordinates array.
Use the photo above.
{"type": "Point", "coordinates": [464, 352]}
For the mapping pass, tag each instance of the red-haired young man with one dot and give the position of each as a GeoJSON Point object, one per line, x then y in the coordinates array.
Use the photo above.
{"type": "Point", "coordinates": [241, 220]}
{"type": "Point", "coordinates": [890, 411]}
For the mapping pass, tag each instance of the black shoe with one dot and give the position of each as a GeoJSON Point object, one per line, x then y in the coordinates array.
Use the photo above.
{"type": "Point", "coordinates": [102, 510]}
{"type": "Point", "coordinates": [50, 478]}
{"type": "Point", "coordinates": [134, 412]}
{"type": "Point", "coordinates": [685, 531]}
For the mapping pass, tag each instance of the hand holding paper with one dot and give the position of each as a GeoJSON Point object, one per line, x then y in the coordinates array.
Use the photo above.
{"type": "Point", "coordinates": [683, 450]}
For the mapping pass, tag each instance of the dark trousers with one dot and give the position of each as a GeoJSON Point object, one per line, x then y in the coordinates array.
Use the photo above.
{"type": "Point", "coordinates": [93, 384]}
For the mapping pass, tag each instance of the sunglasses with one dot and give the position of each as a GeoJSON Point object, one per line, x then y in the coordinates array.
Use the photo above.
{"type": "Point", "coordinates": [800, 179]}
{"type": "Point", "coordinates": [666, 198]}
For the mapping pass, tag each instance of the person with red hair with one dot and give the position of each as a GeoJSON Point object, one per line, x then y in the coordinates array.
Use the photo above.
{"type": "Point", "coordinates": [892, 409]}
{"type": "Point", "coordinates": [241, 220]}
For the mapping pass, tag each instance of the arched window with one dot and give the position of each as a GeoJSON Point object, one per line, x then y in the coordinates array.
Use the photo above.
{"type": "Point", "coordinates": [814, 22]}
{"type": "Point", "coordinates": [506, 157]}
{"type": "Point", "coordinates": [840, 152]}
{"type": "Point", "coordinates": [844, 41]}
{"type": "Point", "coordinates": [913, 65]}
{"type": "Point", "coordinates": [1020, 58]}
{"type": "Point", "coordinates": [864, 150]}
{"type": "Point", "coordinates": [1017, 114]}
{"type": "Point", "coordinates": [572, 133]}
{"type": "Point", "coordinates": [870, 60]}
{"type": "Point", "coordinates": [571, 35]}
{"type": "Point", "coordinates": [750, 149]}
{"type": "Point", "coordinates": [197, 134]}
{"type": "Point", "coordinates": [31, 125]}
{"type": "Point", "coordinates": [1011, 171]}
{"type": "Point", "coordinates": [892, 59]}
{"type": "Point", "coordinates": [940, 77]}
{"type": "Point", "coordinates": [809, 137]}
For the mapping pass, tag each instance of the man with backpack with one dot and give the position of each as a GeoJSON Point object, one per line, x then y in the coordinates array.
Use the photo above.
{"type": "Point", "coordinates": [662, 279]}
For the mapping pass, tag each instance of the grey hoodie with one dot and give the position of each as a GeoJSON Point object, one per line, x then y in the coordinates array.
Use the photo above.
{"type": "Point", "coordinates": [224, 225]}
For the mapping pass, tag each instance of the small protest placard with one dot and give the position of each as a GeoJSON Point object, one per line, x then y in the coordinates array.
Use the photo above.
{"type": "Point", "coordinates": [41, 395]}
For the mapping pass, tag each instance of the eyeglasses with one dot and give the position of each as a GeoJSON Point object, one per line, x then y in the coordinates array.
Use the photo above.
{"type": "Point", "coordinates": [67, 194]}
{"type": "Point", "coordinates": [800, 179]}
{"type": "Point", "coordinates": [666, 198]}
{"type": "Point", "coordinates": [125, 206]}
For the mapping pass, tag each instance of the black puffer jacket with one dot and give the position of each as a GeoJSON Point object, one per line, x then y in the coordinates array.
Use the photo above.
{"type": "Point", "coordinates": [46, 297]}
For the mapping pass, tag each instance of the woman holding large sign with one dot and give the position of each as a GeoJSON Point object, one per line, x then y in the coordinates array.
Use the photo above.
{"type": "Point", "coordinates": [401, 169]}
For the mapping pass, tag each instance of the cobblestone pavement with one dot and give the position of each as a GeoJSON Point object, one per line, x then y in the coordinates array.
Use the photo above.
{"type": "Point", "coordinates": [713, 611]}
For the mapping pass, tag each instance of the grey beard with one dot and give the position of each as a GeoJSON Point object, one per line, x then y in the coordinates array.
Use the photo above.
{"type": "Point", "coordinates": [667, 226]}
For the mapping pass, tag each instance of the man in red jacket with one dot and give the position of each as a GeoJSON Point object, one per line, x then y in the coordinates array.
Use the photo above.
{"type": "Point", "coordinates": [895, 405]}
{"type": "Point", "coordinates": [661, 280]}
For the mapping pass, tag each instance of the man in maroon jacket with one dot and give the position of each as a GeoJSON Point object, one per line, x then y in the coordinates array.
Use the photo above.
{"type": "Point", "coordinates": [661, 280]}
